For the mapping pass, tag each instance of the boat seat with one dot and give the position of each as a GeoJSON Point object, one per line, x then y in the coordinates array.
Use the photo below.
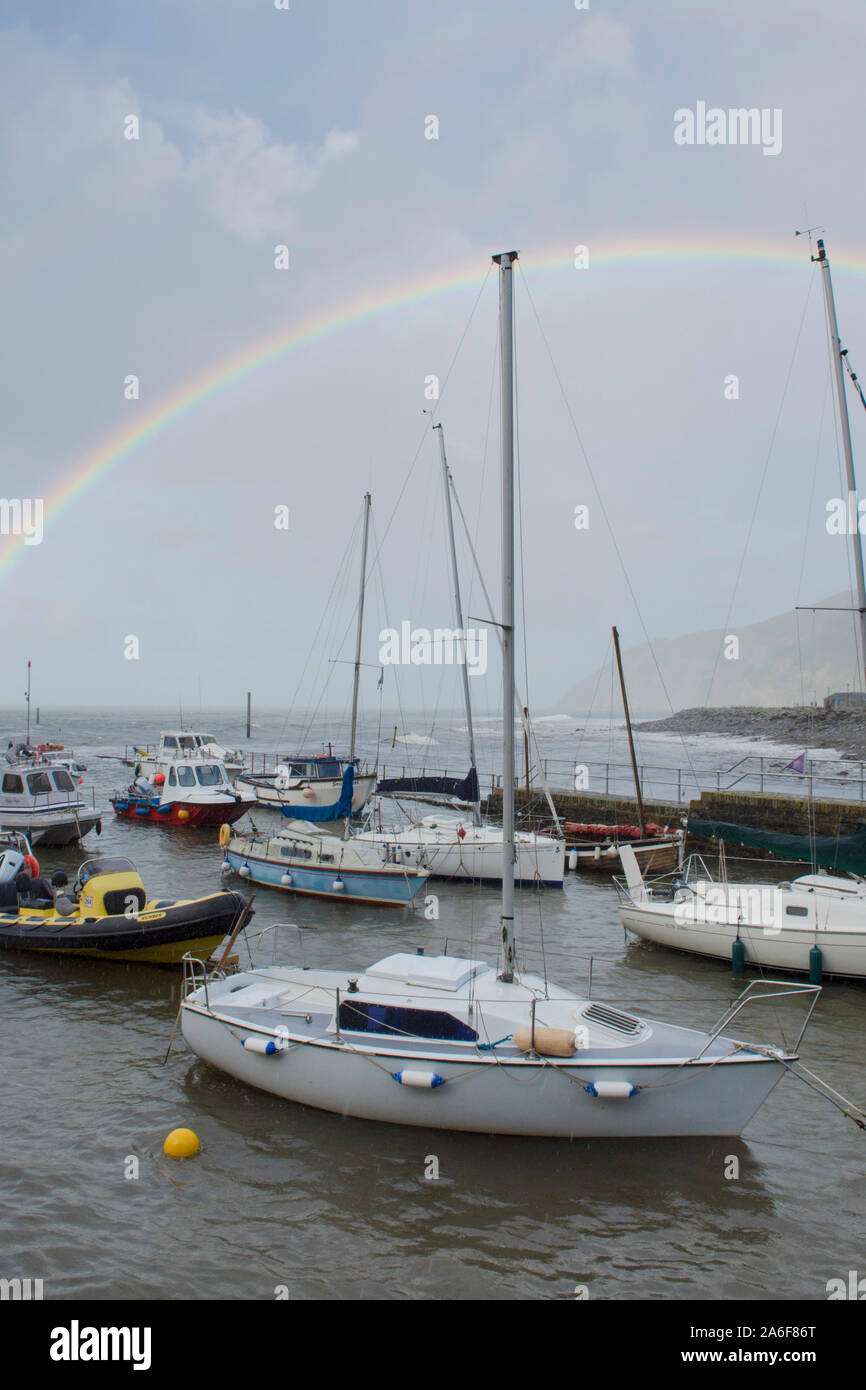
{"type": "Point", "coordinates": [117, 899]}
{"type": "Point", "coordinates": [8, 896]}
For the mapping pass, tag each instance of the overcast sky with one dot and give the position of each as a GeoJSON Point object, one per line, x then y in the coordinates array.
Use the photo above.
{"type": "Point", "coordinates": [261, 127]}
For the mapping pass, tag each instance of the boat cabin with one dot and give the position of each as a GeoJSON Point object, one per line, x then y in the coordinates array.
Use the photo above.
{"type": "Point", "coordinates": [317, 768]}
{"type": "Point", "coordinates": [44, 786]}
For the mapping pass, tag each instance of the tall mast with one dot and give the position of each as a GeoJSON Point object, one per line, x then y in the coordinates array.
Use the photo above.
{"type": "Point", "coordinates": [505, 261]}
{"type": "Point", "coordinates": [458, 612]}
{"type": "Point", "coordinates": [367, 503]}
{"type": "Point", "coordinates": [838, 370]}
{"type": "Point", "coordinates": [639, 798]}
{"type": "Point", "coordinates": [28, 704]}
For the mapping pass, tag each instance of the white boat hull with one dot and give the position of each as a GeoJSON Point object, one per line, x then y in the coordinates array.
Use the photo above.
{"type": "Point", "coordinates": [51, 827]}
{"type": "Point", "coordinates": [477, 857]}
{"type": "Point", "coordinates": [843, 953]}
{"type": "Point", "coordinates": [314, 793]}
{"type": "Point", "coordinates": [713, 1100]}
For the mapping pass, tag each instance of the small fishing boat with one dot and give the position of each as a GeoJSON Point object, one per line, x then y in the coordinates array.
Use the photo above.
{"type": "Point", "coordinates": [177, 744]}
{"type": "Point", "coordinates": [107, 913]}
{"type": "Point", "coordinates": [312, 861]}
{"type": "Point", "coordinates": [194, 791]}
{"type": "Point", "coordinates": [43, 801]}
{"type": "Point", "coordinates": [322, 787]}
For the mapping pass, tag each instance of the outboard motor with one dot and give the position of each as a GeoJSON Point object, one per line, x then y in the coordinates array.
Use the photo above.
{"type": "Point", "coordinates": [11, 864]}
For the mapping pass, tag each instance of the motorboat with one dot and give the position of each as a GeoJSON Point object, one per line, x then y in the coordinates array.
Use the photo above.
{"type": "Point", "coordinates": [106, 912]}
{"type": "Point", "coordinates": [195, 791]}
{"type": "Point", "coordinates": [43, 801]}
{"type": "Point", "coordinates": [178, 744]}
{"type": "Point", "coordinates": [453, 1043]}
{"type": "Point", "coordinates": [308, 859]}
{"type": "Point", "coordinates": [310, 788]}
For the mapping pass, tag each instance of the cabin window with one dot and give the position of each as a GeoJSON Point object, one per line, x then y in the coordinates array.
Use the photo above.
{"type": "Point", "coordinates": [361, 1017]}
{"type": "Point", "coordinates": [797, 911]}
{"type": "Point", "coordinates": [172, 778]}
{"type": "Point", "coordinates": [170, 742]}
{"type": "Point", "coordinates": [38, 782]}
{"type": "Point", "coordinates": [185, 777]}
{"type": "Point", "coordinates": [186, 741]}
{"type": "Point", "coordinates": [63, 782]}
{"type": "Point", "coordinates": [208, 738]}
{"type": "Point", "coordinates": [11, 783]}
{"type": "Point", "coordinates": [328, 769]}
{"type": "Point", "coordinates": [298, 769]}
{"type": "Point", "coordinates": [208, 776]}
{"type": "Point", "coordinates": [296, 852]}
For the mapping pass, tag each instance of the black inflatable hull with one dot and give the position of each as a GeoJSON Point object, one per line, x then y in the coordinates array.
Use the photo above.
{"type": "Point", "coordinates": [161, 934]}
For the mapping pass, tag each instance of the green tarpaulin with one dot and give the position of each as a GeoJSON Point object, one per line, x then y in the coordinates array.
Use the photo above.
{"type": "Point", "coordinates": [844, 853]}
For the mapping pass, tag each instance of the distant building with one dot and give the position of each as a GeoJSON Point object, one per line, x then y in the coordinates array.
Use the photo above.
{"type": "Point", "coordinates": [846, 699]}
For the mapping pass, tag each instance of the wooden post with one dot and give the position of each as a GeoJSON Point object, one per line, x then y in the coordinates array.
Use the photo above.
{"type": "Point", "coordinates": [637, 788]}
{"type": "Point", "coordinates": [249, 711]}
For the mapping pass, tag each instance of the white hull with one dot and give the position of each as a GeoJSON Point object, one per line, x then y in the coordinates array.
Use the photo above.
{"type": "Point", "coordinates": [475, 857]}
{"type": "Point", "coordinates": [460, 1036]}
{"type": "Point", "coordinates": [717, 1100]}
{"type": "Point", "coordinates": [843, 953]}
{"type": "Point", "coordinates": [778, 924]}
{"type": "Point", "coordinates": [51, 828]}
{"type": "Point", "coordinates": [320, 793]}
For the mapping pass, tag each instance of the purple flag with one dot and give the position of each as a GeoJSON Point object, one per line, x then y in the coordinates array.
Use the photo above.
{"type": "Point", "coordinates": [798, 765]}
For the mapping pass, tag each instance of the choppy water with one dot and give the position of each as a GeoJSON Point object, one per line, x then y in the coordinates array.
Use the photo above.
{"type": "Point", "coordinates": [338, 1208]}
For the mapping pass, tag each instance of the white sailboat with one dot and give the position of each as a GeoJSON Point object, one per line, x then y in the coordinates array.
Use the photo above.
{"type": "Point", "coordinates": [452, 845]}
{"type": "Point", "coordinates": [451, 1043]}
{"type": "Point", "coordinates": [815, 924]}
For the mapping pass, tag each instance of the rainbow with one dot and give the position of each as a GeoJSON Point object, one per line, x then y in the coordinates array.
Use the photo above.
{"type": "Point", "coordinates": [617, 251]}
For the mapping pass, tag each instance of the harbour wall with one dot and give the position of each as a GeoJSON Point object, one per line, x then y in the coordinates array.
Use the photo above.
{"type": "Point", "coordinates": [766, 811]}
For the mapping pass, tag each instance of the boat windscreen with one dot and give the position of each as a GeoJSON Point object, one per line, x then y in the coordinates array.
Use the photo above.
{"type": "Point", "coordinates": [105, 866]}
{"type": "Point", "coordinates": [209, 775]}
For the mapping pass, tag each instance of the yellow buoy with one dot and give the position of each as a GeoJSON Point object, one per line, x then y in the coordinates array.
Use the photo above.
{"type": "Point", "coordinates": [183, 815]}
{"type": "Point", "coordinates": [225, 835]}
{"type": "Point", "coordinates": [181, 1143]}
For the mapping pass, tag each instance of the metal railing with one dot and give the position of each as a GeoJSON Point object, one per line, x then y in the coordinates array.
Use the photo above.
{"type": "Point", "coordinates": [196, 976]}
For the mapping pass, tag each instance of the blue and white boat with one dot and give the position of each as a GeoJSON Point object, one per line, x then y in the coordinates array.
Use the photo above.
{"type": "Point", "coordinates": [318, 788]}
{"type": "Point", "coordinates": [302, 858]}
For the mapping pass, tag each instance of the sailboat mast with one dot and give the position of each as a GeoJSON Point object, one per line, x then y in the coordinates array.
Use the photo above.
{"type": "Point", "coordinates": [458, 612]}
{"type": "Point", "coordinates": [28, 704]}
{"type": "Point", "coordinates": [505, 261]}
{"type": "Point", "coordinates": [839, 373]}
{"type": "Point", "coordinates": [367, 503]}
{"type": "Point", "coordinates": [638, 797]}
